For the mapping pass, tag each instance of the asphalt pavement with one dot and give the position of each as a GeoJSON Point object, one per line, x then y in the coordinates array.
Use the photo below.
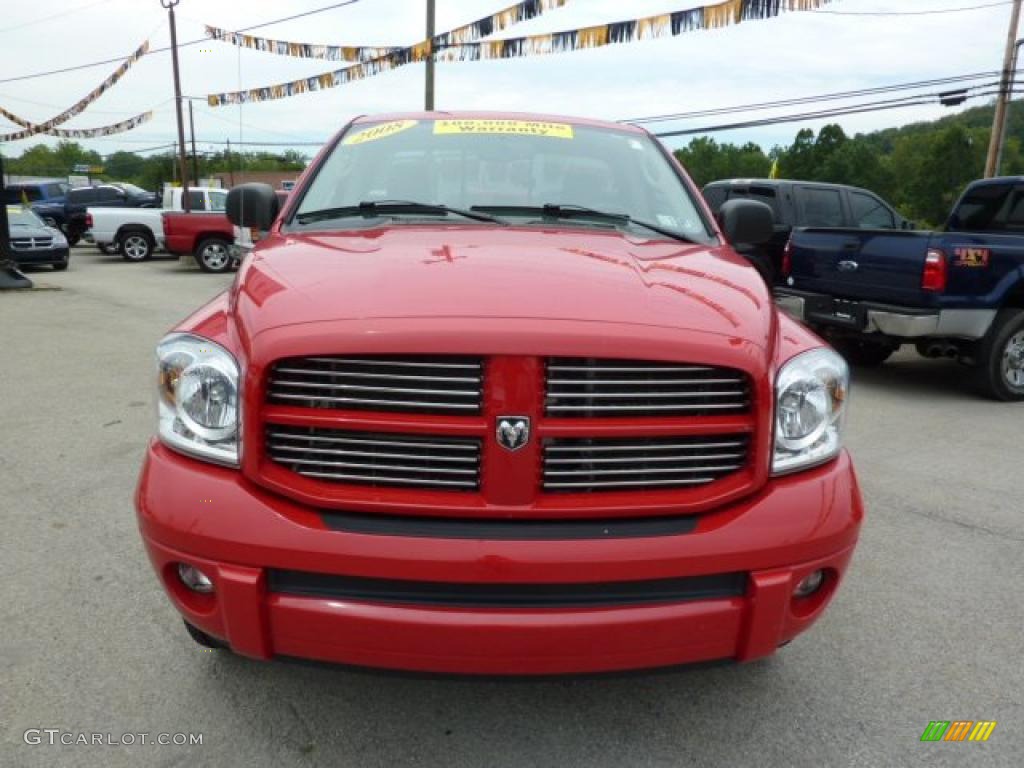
{"type": "Point", "coordinates": [929, 624]}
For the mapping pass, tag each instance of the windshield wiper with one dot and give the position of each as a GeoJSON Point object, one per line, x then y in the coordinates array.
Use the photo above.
{"type": "Point", "coordinates": [572, 211]}
{"type": "Point", "coordinates": [372, 208]}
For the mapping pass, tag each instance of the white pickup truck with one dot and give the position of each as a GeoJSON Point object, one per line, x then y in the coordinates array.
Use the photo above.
{"type": "Point", "coordinates": [136, 233]}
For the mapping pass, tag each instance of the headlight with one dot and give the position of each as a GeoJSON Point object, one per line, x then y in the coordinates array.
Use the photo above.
{"type": "Point", "coordinates": [198, 398]}
{"type": "Point", "coordinates": [811, 392]}
{"type": "Point", "coordinates": [58, 238]}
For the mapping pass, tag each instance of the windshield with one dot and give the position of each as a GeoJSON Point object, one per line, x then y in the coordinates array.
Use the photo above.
{"type": "Point", "coordinates": [20, 217]}
{"type": "Point", "coordinates": [512, 167]}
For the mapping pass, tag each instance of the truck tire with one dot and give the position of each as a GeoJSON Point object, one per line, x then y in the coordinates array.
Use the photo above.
{"type": "Point", "coordinates": [861, 353]}
{"type": "Point", "coordinates": [135, 245]}
{"type": "Point", "coordinates": [1001, 362]}
{"type": "Point", "coordinates": [214, 255]}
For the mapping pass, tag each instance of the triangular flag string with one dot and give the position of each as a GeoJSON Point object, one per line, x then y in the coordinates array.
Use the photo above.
{"type": "Point", "coordinates": [451, 48]}
{"type": "Point", "coordinates": [78, 107]}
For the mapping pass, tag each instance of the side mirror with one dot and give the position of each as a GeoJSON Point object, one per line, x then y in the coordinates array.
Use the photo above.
{"type": "Point", "coordinates": [252, 205]}
{"type": "Point", "coordinates": [747, 222]}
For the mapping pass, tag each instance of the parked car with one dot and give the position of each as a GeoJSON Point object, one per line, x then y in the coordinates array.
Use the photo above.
{"type": "Point", "coordinates": [81, 199]}
{"type": "Point", "coordinates": [804, 204]}
{"type": "Point", "coordinates": [207, 235]}
{"type": "Point", "coordinates": [33, 243]}
{"type": "Point", "coordinates": [495, 395]}
{"type": "Point", "coordinates": [46, 198]}
{"type": "Point", "coordinates": [35, 192]}
{"type": "Point", "coordinates": [955, 293]}
{"type": "Point", "coordinates": [136, 233]}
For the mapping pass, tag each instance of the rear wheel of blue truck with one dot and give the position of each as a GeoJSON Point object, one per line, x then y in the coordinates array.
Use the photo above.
{"type": "Point", "coordinates": [1001, 362]}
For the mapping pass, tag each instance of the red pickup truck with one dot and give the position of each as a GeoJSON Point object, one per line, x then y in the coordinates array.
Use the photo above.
{"type": "Point", "coordinates": [207, 235]}
{"type": "Point", "coordinates": [496, 395]}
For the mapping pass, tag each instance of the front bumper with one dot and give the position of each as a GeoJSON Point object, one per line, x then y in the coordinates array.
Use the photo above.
{"type": "Point", "coordinates": [244, 537]}
{"type": "Point", "coordinates": [37, 257]}
{"type": "Point", "coordinates": [870, 317]}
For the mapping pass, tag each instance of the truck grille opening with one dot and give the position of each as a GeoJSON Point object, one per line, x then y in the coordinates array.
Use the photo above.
{"type": "Point", "coordinates": [419, 384]}
{"type": "Point", "coordinates": [377, 459]}
{"type": "Point", "coordinates": [589, 388]}
{"type": "Point", "coordinates": [582, 465]}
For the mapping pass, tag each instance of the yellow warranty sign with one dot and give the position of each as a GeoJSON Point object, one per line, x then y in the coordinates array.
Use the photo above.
{"type": "Point", "coordinates": [379, 131]}
{"type": "Point", "coordinates": [509, 127]}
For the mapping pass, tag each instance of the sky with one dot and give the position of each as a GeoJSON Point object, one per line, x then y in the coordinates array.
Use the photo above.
{"type": "Point", "coordinates": [797, 54]}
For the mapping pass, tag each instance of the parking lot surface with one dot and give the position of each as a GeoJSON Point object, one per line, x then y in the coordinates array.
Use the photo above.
{"type": "Point", "coordinates": [928, 626]}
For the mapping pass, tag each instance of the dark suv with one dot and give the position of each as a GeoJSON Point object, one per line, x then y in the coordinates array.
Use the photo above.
{"type": "Point", "coordinates": [101, 196]}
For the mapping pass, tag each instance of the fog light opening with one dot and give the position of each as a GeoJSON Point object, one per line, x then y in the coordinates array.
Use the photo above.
{"type": "Point", "coordinates": [809, 584]}
{"type": "Point", "coordinates": [195, 579]}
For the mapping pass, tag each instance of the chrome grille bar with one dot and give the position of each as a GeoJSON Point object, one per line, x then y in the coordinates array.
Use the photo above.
{"type": "Point", "coordinates": [607, 464]}
{"type": "Point", "coordinates": [416, 384]}
{"type": "Point", "coordinates": [380, 460]}
{"type": "Point", "coordinates": [610, 388]}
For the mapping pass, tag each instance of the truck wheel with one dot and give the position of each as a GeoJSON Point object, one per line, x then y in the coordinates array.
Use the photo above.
{"type": "Point", "coordinates": [1001, 368]}
{"type": "Point", "coordinates": [60, 266]}
{"type": "Point", "coordinates": [205, 640]}
{"type": "Point", "coordinates": [214, 255]}
{"type": "Point", "coordinates": [134, 246]}
{"type": "Point", "coordinates": [865, 354]}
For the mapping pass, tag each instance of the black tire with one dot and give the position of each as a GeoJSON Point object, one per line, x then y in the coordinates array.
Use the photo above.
{"type": "Point", "coordinates": [135, 245]}
{"type": "Point", "coordinates": [108, 248]}
{"type": "Point", "coordinates": [73, 240]}
{"type": "Point", "coordinates": [1000, 371]}
{"type": "Point", "coordinates": [214, 255]}
{"type": "Point", "coordinates": [205, 640]}
{"type": "Point", "coordinates": [61, 265]}
{"type": "Point", "coordinates": [861, 353]}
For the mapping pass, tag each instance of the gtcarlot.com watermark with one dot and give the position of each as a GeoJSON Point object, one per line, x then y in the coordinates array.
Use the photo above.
{"type": "Point", "coordinates": [55, 736]}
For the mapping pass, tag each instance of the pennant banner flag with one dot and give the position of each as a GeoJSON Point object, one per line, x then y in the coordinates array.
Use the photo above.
{"type": "Point", "coordinates": [84, 133]}
{"type": "Point", "coordinates": [79, 106]}
{"type": "Point", "coordinates": [467, 33]}
{"type": "Point", "coordinates": [453, 46]}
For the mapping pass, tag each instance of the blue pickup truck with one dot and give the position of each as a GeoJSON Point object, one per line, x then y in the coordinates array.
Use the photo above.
{"type": "Point", "coordinates": [957, 293]}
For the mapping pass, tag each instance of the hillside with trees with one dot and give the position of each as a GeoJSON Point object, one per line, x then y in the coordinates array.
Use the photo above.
{"type": "Point", "coordinates": [920, 168]}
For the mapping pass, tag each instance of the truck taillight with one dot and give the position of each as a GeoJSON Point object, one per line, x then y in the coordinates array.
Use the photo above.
{"type": "Point", "coordinates": [787, 258]}
{"type": "Point", "coordinates": [935, 274]}
{"type": "Point", "coordinates": [88, 220]}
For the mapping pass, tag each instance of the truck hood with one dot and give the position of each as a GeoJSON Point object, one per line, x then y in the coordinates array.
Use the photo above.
{"type": "Point", "coordinates": [482, 272]}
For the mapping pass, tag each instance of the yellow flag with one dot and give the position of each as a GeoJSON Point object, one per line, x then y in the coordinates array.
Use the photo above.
{"type": "Point", "coordinates": [774, 174]}
{"type": "Point", "coordinates": [24, 199]}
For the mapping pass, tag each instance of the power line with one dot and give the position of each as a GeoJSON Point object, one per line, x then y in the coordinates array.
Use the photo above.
{"type": "Point", "coordinates": [53, 16]}
{"type": "Point", "coordinates": [913, 13]}
{"type": "Point", "coordinates": [180, 45]}
{"type": "Point", "coordinates": [853, 109]}
{"type": "Point", "coordinates": [765, 105]}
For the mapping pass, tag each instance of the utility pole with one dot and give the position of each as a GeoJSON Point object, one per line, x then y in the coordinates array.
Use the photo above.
{"type": "Point", "coordinates": [182, 164]}
{"type": "Point", "coordinates": [428, 100]}
{"type": "Point", "coordinates": [1006, 112]}
{"type": "Point", "coordinates": [231, 165]}
{"type": "Point", "coordinates": [999, 119]}
{"type": "Point", "coordinates": [192, 133]}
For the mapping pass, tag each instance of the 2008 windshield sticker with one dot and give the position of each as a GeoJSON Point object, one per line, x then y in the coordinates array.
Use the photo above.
{"type": "Point", "coordinates": [508, 127]}
{"type": "Point", "coordinates": [380, 131]}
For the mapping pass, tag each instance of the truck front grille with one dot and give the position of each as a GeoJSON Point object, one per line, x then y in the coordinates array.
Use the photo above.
{"type": "Point", "coordinates": [420, 384]}
{"type": "Point", "coordinates": [31, 243]}
{"type": "Point", "coordinates": [589, 388]}
{"type": "Point", "coordinates": [580, 465]}
{"type": "Point", "coordinates": [367, 458]}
